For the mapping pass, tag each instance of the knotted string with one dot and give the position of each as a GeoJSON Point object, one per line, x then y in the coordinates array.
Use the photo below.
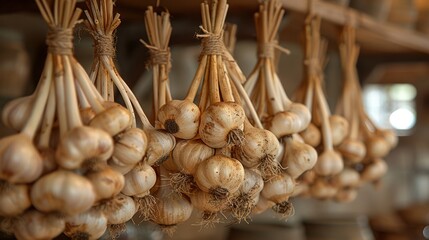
{"type": "Point", "coordinates": [158, 56]}
{"type": "Point", "coordinates": [212, 44]}
{"type": "Point", "coordinates": [267, 50]}
{"type": "Point", "coordinates": [60, 40]}
{"type": "Point", "coordinates": [103, 44]}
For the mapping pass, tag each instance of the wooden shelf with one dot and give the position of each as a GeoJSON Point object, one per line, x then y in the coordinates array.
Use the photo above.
{"type": "Point", "coordinates": [371, 34]}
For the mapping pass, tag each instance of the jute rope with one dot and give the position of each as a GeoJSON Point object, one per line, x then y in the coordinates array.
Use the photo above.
{"type": "Point", "coordinates": [103, 44]}
{"type": "Point", "coordinates": [60, 41]}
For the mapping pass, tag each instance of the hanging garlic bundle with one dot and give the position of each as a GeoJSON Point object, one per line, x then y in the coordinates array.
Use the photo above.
{"type": "Point", "coordinates": [332, 128]}
{"type": "Point", "coordinates": [279, 114]}
{"type": "Point", "coordinates": [136, 149]}
{"type": "Point", "coordinates": [365, 145]}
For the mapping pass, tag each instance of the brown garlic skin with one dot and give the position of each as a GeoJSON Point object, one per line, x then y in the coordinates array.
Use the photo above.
{"type": "Point", "coordinates": [130, 147]}
{"type": "Point", "coordinates": [261, 145]}
{"type": "Point", "coordinates": [374, 171]}
{"type": "Point", "coordinates": [329, 163]}
{"type": "Point", "coordinates": [188, 154]}
{"type": "Point", "coordinates": [48, 159]}
{"type": "Point", "coordinates": [63, 191]}
{"type": "Point", "coordinates": [312, 135]}
{"type": "Point", "coordinates": [279, 188]}
{"type": "Point", "coordinates": [171, 208]}
{"type": "Point", "coordinates": [34, 225]}
{"type": "Point", "coordinates": [170, 164]}
{"type": "Point", "coordinates": [180, 118]}
{"type": "Point", "coordinates": [89, 225]}
{"type": "Point", "coordinates": [14, 199]}
{"type": "Point", "coordinates": [352, 150]}
{"type": "Point", "coordinates": [20, 161]}
{"type": "Point", "coordinates": [106, 182]}
{"type": "Point", "coordinates": [16, 112]}
{"type": "Point", "coordinates": [139, 181]}
{"type": "Point", "coordinates": [298, 157]}
{"type": "Point", "coordinates": [120, 209]}
{"type": "Point", "coordinates": [222, 124]}
{"type": "Point", "coordinates": [219, 176]}
{"type": "Point", "coordinates": [86, 115]}
{"type": "Point", "coordinates": [339, 128]}
{"type": "Point", "coordinates": [160, 145]}
{"type": "Point", "coordinates": [83, 143]}
{"type": "Point", "coordinates": [203, 201]}
{"type": "Point", "coordinates": [112, 120]}
{"type": "Point", "coordinates": [377, 147]}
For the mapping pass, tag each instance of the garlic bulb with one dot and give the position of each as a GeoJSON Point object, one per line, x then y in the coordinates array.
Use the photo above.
{"type": "Point", "coordinates": [322, 189]}
{"type": "Point", "coordinates": [348, 178]}
{"type": "Point", "coordinates": [171, 209]}
{"type": "Point", "coordinates": [377, 147]}
{"type": "Point", "coordinates": [204, 202]}
{"type": "Point", "coordinates": [160, 145]}
{"type": "Point", "coordinates": [20, 162]}
{"type": "Point", "coordinates": [180, 118]}
{"type": "Point", "coordinates": [262, 205]}
{"type": "Point", "coordinates": [329, 163]}
{"type": "Point", "coordinates": [170, 165]}
{"type": "Point", "coordinates": [221, 124]}
{"type": "Point", "coordinates": [48, 159]}
{"type": "Point", "coordinates": [112, 120]}
{"type": "Point", "coordinates": [139, 181]}
{"type": "Point", "coordinates": [87, 225]}
{"type": "Point", "coordinates": [388, 135]}
{"type": "Point", "coordinates": [352, 150]}
{"type": "Point", "coordinates": [219, 176]}
{"type": "Point", "coordinates": [120, 209]}
{"type": "Point", "coordinates": [16, 112]}
{"type": "Point", "coordinates": [14, 199]}
{"type": "Point", "coordinates": [123, 169]}
{"type": "Point", "coordinates": [346, 195]}
{"type": "Point", "coordinates": [246, 197]}
{"type": "Point", "coordinates": [298, 157]}
{"type": "Point", "coordinates": [130, 147]}
{"type": "Point", "coordinates": [34, 225]}
{"type": "Point", "coordinates": [259, 150]}
{"type": "Point", "coordinates": [189, 153]}
{"type": "Point", "coordinates": [312, 135]}
{"type": "Point", "coordinates": [86, 115]}
{"type": "Point", "coordinates": [374, 171]}
{"type": "Point", "coordinates": [279, 188]}
{"type": "Point", "coordinates": [106, 182]}
{"type": "Point", "coordinates": [63, 191]}
{"type": "Point", "coordinates": [339, 128]}
{"type": "Point", "coordinates": [83, 143]}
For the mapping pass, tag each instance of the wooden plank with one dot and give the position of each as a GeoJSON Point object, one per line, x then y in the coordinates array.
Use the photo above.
{"type": "Point", "coordinates": [370, 33]}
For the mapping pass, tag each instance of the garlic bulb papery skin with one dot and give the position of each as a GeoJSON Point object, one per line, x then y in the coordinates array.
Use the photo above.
{"type": "Point", "coordinates": [285, 123]}
{"type": "Point", "coordinates": [112, 120]}
{"type": "Point", "coordinates": [86, 115]}
{"type": "Point", "coordinates": [139, 181]}
{"type": "Point", "coordinates": [219, 176]}
{"type": "Point", "coordinates": [189, 153]}
{"type": "Point", "coordinates": [171, 208]}
{"type": "Point", "coordinates": [63, 191]}
{"type": "Point", "coordinates": [180, 118]}
{"type": "Point", "coordinates": [298, 157]}
{"type": "Point", "coordinates": [260, 150]}
{"type": "Point", "coordinates": [120, 209]}
{"type": "Point", "coordinates": [279, 188]}
{"type": "Point", "coordinates": [377, 147]}
{"type": "Point", "coordinates": [130, 147]}
{"type": "Point", "coordinates": [321, 189]}
{"type": "Point", "coordinates": [347, 178]}
{"type": "Point", "coordinates": [83, 143]}
{"type": "Point", "coordinates": [346, 195]}
{"type": "Point", "coordinates": [339, 128]}
{"type": "Point", "coordinates": [388, 135]}
{"type": "Point", "coordinates": [106, 182]}
{"type": "Point", "coordinates": [252, 183]}
{"type": "Point", "coordinates": [16, 112]}
{"type": "Point", "coordinates": [222, 124]}
{"type": "Point", "coordinates": [374, 171]}
{"type": "Point", "coordinates": [352, 150]}
{"type": "Point", "coordinates": [123, 169]}
{"type": "Point", "coordinates": [48, 159]}
{"type": "Point", "coordinates": [20, 161]}
{"type": "Point", "coordinates": [329, 163]}
{"type": "Point", "coordinates": [159, 146]}
{"type": "Point", "coordinates": [203, 201]}
{"type": "Point", "coordinates": [262, 205]}
{"type": "Point", "coordinates": [170, 164]}
{"type": "Point", "coordinates": [14, 199]}
{"type": "Point", "coordinates": [312, 135]}
{"type": "Point", "coordinates": [90, 225]}
{"type": "Point", "coordinates": [34, 225]}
